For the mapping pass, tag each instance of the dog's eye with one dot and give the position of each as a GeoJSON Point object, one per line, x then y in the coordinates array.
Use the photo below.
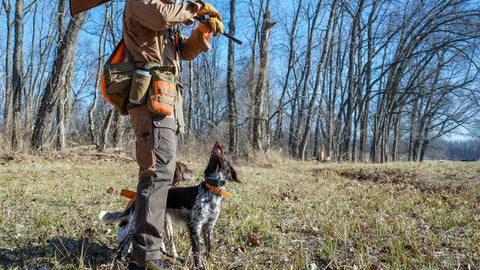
{"type": "Point", "coordinates": [123, 223]}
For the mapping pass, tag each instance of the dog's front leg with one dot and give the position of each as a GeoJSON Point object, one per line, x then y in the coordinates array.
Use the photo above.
{"type": "Point", "coordinates": [209, 229]}
{"type": "Point", "coordinates": [195, 230]}
{"type": "Point", "coordinates": [207, 237]}
{"type": "Point", "coordinates": [125, 245]}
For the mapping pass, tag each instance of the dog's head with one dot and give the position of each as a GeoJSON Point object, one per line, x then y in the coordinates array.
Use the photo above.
{"type": "Point", "coordinates": [218, 165]}
{"type": "Point", "coordinates": [182, 173]}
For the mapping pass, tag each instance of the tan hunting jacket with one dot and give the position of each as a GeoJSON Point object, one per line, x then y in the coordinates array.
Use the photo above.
{"type": "Point", "coordinates": [146, 25]}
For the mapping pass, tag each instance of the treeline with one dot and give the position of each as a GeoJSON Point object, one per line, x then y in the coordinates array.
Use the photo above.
{"type": "Point", "coordinates": [364, 80]}
{"type": "Point", "coordinates": [462, 150]}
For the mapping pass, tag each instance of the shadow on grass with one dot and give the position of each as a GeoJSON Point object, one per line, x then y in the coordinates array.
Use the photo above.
{"type": "Point", "coordinates": [58, 253]}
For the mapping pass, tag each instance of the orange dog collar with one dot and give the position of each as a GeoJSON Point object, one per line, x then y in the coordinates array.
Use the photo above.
{"type": "Point", "coordinates": [218, 190]}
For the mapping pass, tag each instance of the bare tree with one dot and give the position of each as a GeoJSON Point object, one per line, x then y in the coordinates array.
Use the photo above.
{"type": "Point", "coordinates": [65, 94]}
{"type": "Point", "coordinates": [256, 17]}
{"type": "Point", "coordinates": [433, 111]}
{"type": "Point", "coordinates": [100, 61]}
{"type": "Point", "coordinates": [232, 104]}
{"type": "Point", "coordinates": [301, 94]}
{"type": "Point", "coordinates": [365, 99]}
{"type": "Point", "coordinates": [17, 74]}
{"type": "Point", "coordinates": [292, 36]}
{"type": "Point", "coordinates": [427, 27]}
{"type": "Point", "coordinates": [352, 85]}
{"type": "Point", "coordinates": [320, 65]}
{"type": "Point", "coordinates": [58, 79]}
{"type": "Point", "coordinates": [8, 87]}
{"type": "Point", "coordinates": [259, 97]}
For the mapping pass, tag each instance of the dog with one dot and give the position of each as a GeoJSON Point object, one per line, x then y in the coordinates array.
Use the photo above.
{"type": "Point", "coordinates": [182, 173]}
{"type": "Point", "coordinates": [197, 207]}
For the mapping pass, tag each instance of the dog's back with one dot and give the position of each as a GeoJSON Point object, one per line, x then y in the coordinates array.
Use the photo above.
{"type": "Point", "coordinates": [182, 197]}
{"type": "Point", "coordinates": [180, 202]}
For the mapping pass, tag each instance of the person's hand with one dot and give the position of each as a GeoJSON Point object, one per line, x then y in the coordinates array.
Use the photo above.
{"type": "Point", "coordinates": [216, 26]}
{"type": "Point", "coordinates": [209, 9]}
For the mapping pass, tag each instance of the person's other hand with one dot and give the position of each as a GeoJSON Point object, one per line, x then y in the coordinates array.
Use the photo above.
{"type": "Point", "coordinates": [216, 26]}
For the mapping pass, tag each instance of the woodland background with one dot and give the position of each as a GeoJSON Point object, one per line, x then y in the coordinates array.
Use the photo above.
{"type": "Point", "coordinates": [363, 80]}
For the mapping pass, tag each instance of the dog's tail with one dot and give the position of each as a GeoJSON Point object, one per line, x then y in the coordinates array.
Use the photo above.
{"type": "Point", "coordinates": [112, 217]}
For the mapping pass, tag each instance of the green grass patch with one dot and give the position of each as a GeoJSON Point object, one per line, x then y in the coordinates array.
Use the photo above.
{"type": "Point", "coordinates": [285, 215]}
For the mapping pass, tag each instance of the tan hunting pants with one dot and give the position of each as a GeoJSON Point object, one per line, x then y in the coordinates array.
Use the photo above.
{"type": "Point", "coordinates": [156, 144]}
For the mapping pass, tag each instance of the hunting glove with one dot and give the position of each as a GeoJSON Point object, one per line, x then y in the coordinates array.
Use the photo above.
{"type": "Point", "coordinates": [209, 10]}
{"type": "Point", "coordinates": [216, 26]}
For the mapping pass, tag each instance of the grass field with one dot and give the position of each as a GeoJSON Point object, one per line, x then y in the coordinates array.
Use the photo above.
{"type": "Point", "coordinates": [285, 215]}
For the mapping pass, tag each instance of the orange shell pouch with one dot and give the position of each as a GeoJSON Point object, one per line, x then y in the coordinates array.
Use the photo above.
{"type": "Point", "coordinates": [164, 97]}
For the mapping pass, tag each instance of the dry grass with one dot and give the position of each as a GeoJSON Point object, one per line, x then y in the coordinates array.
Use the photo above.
{"type": "Point", "coordinates": [285, 215]}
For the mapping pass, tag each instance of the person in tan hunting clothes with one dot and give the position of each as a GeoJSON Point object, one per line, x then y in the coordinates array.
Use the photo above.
{"type": "Point", "coordinates": [150, 30]}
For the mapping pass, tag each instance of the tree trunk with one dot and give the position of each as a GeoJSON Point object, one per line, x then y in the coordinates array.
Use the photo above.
{"type": "Point", "coordinates": [118, 128]}
{"type": "Point", "coordinates": [294, 138]}
{"type": "Point", "coordinates": [347, 131]}
{"type": "Point", "coordinates": [321, 63]}
{"type": "Point", "coordinates": [368, 85]}
{"type": "Point", "coordinates": [316, 143]}
{"type": "Point", "coordinates": [334, 84]}
{"type": "Point", "coordinates": [291, 58]}
{"type": "Point", "coordinates": [8, 56]}
{"type": "Point", "coordinates": [61, 144]}
{"type": "Point", "coordinates": [101, 52]}
{"type": "Point", "coordinates": [360, 95]}
{"type": "Point", "coordinates": [17, 75]}
{"type": "Point", "coordinates": [63, 93]}
{"type": "Point", "coordinates": [259, 98]}
{"type": "Point", "coordinates": [232, 104]}
{"type": "Point", "coordinates": [252, 70]}
{"type": "Point", "coordinates": [396, 138]}
{"type": "Point", "coordinates": [58, 79]}
{"type": "Point", "coordinates": [105, 130]}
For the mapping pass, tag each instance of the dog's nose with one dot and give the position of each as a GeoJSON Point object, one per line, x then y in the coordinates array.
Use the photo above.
{"type": "Point", "coordinates": [216, 150]}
